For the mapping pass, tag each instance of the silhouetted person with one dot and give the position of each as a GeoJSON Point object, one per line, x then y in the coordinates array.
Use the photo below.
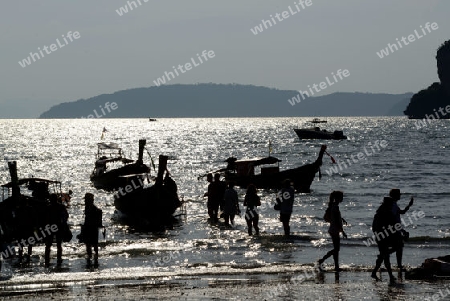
{"type": "Point", "coordinates": [386, 236]}
{"type": "Point", "coordinates": [252, 200]}
{"type": "Point", "coordinates": [56, 216]}
{"type": "Point", "coordinates": [286, 200]}
{"type": "Point", "coordinates": [25, 224]}
{"type": "Point", "coordinates": [210, 195]}
{"type": "Point", "coordinates": [230, 205]}
{"type": "Point", "coordinates": [92, 221]}
{"type": "Point", "coordinates": [219, 194]}
{"type": "Point", "coordinates": [336, 227]}
{"type": "Point", "coordinates": [395, 195]}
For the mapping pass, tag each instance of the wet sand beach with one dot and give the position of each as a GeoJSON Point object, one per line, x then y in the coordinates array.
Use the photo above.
{"type": "Point", "coordinates": [349, 285]}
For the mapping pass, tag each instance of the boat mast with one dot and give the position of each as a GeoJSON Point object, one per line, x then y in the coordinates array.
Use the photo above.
{"type": "Point", "coordinates": [14, 179]}
{"type": "Point", "coordinates": [142, 143]}
{"type": "Point", "coordinates": [162, 166]}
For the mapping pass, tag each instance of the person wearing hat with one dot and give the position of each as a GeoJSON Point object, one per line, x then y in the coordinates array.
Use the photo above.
{"type": "Point", "coordinates": [92, 221]}
{"type": "Point", "coordinates": [395, 195]}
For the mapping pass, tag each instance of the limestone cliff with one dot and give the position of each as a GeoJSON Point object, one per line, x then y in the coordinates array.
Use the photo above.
{"type": "Point", "coordinates": [436, 96]}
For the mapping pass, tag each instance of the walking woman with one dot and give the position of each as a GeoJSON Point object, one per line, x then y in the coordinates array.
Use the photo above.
{"type": "Point", "coordinates": [333, 215]}
{"type": "Point", "coordinates": [252, 200]}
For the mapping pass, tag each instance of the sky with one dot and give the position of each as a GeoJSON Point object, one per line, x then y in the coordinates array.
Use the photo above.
{"type": "Point", "coordinates": [116, 52]}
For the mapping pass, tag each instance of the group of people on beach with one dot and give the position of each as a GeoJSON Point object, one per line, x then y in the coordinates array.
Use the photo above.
{"type": "Point", "coordinates": [387, 225]}
{"type": "Point", "coordinates": [30, 227]}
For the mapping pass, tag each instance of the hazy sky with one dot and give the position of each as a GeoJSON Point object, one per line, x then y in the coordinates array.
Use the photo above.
{"type": "Point", "coordinates": [120, 52]}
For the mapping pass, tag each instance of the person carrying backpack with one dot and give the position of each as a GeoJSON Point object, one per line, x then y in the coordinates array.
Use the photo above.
{"type": "Point", "coordinates": [387, 237]}
{"type": "Point", "coordinates": [333, 216]}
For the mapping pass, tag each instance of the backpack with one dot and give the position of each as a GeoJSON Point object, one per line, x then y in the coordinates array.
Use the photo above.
{"type": "Point", "coordinates": [377, 224]}
{"type": "Point", "coordinates": [98, 217]}
{"type": "Point", "coordinates": [327, 215]}
{"type": "Point", "coordinates": [383, 218]}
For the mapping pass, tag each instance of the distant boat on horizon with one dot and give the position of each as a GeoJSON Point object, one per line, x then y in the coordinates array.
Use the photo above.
{"type": "Point", "coordinates": [317, 133]}
{"type": "Point", "coordinates": [151, 119]}
{"type": "Point", "coordinates": [318, 120]}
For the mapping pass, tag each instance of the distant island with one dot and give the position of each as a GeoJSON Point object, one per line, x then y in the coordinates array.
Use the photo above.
{"type": "Point", "coordinates": [226, 100]}
{"type": "Point", "coordinates": [434, 102]}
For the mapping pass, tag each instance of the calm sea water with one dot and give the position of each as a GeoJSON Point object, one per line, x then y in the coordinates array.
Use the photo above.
{"type": "Point", "coordinates": [414, 160]}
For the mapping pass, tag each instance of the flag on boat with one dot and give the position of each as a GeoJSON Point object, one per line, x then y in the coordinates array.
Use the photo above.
{"type": "Point", "coordinates": [103, 133]}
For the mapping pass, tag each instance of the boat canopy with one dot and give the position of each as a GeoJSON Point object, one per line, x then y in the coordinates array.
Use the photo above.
{"type": "Point", "coordinates": [28, 180]}
{"type": "Point", "coordinates": [109, 149]}
{"type": "Point", "coordinates": [260, 161]}
{"type": "Point", "coordinates": [111, 146]}
{"type": "Point", "coordinates": [101, 161]}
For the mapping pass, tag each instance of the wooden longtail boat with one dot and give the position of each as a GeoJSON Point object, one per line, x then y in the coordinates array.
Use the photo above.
{"type": "Point", "coordinates": [152, 206]}
{"type": "Point", "coordinates": [242, 173]}
{"type": "Point", "coordinates": [108, 153]}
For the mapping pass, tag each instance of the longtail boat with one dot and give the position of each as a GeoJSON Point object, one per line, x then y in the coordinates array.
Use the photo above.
{"type": "Point", "coordinates": [151, 206]}
{"type": "Point", "coordinates": [242, 173]}
{"type": "Point", "coordinates": [110, 179]}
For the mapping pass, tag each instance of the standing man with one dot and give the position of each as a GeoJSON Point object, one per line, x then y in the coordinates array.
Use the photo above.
{"type": "Point", "coordinates": [286, 201]}
{"type": "Point", "coordinates": [92, 221]}
{"type": "Point", "coordinates": [230, 205]}
{"type": "Point", "coordinates": [56, 216]}
{"type": "Point", "coordinates": [210, 195]}
{"type": "Point", "coordinates": [219, 193]}
{"type": "Point", "coordinates": [25, 224]}
{"type": "Point", "coordinates": [387, 242]}
{"type": "Point", "coordinates": [395, 195]}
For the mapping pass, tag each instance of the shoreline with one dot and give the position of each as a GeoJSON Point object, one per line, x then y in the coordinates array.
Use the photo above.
{"type": "Point", "coordinates": [347, 285]}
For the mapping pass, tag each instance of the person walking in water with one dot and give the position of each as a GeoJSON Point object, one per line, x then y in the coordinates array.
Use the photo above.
{"type": "Point", "coordinates": [26, 221]}
{"type": "Point", "coordinates": [211, 197]}
{"type": "Point", "coordinates": [56, 216]}
{"type": "Point", "coordinates": [219, 188]}
{"type": "Point", "coordinates": [230, 205]}
{"type": "Point", "coordinates": [333, 216]}
{"type": "Point", "coordinates": [92, 221]}
{"type": "Point", "coordinates": [252, 200]}
{"type": "Point", "coordinates": [285, 200]}
{"type": "Point", "coordinates": [395, 195]}
{"type": "Point", "coordinates": [388, 242]}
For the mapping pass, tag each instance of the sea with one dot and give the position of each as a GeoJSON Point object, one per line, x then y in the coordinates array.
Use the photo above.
{"type": "Point", "coordinates": [380, 153]}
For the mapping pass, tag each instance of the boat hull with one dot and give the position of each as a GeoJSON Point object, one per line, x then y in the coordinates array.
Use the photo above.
{"type": "Point", "coordinates": [152, 207]}
{"type": "Point", "coordinates": [301, 177]}
{"type": "Point", "coordinates": [114, 179]}
{"type": "Point", "coordinates": [317, 134]}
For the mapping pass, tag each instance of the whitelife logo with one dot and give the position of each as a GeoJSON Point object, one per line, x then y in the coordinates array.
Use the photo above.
{"type": "Point", "coordinates": [49, 49]}
{"type": "Point", "coordinates": [281, 17]}
{"type": "Point", "coordinates": [124, 9]}
{"type": "Point", "coordinates": [319, 87]}
{"type": "Point", "coordinates": [188, 66]}
{"type": "Point", "coordinates": [411, 38]}
{"type": "Point", "coordinates": [107, 106]}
